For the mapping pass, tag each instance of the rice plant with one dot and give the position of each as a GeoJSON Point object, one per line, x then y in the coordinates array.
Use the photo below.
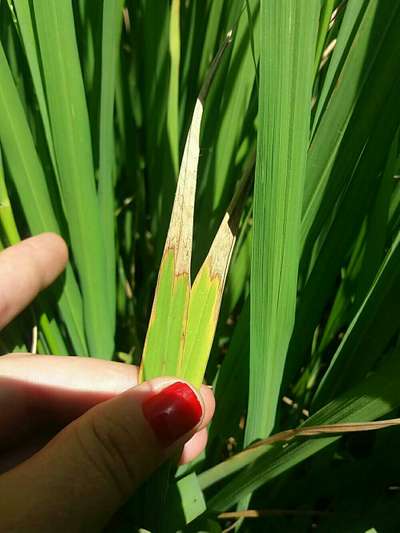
{"type": "Point", "coordinates": [136, 130]}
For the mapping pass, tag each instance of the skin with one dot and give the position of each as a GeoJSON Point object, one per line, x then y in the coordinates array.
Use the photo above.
{"type": "Point", "coordinates": [74, 444]}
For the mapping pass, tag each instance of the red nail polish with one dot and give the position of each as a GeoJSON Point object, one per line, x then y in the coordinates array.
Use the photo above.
{"type": "Point", "coordinates": [172, 412]}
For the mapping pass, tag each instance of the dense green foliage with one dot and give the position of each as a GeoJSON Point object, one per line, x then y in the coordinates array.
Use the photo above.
{"type": "Point", "coordinates": [96, 98]}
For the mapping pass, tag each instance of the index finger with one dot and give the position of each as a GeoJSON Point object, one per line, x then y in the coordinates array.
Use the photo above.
{"type": "Point", "coordinates": [26, 269]}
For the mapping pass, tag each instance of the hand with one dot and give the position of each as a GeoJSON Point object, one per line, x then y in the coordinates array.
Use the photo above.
{"type": "Point", "coordinates": [78, 435]}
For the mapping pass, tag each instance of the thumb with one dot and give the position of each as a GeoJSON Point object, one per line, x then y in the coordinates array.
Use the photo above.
{"type": "Point", "coordinates": [79, 480]}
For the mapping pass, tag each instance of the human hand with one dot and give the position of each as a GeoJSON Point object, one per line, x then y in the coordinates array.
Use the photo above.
{"type": "Point", "coordinates": [78, 435]}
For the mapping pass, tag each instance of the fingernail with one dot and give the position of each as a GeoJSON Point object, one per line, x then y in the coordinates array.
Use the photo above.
{"type": "Point", "coordinates": [172, 412]}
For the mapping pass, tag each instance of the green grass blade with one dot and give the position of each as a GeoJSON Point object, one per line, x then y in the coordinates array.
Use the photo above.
{"type": "Point", "coordinates": [239, 272]}
{"type": "Point", "coordinates": [26, 27]}
{"type": "Point", "coordinates": [233, 107]}
{"type": "Point", "coordinates": [111, 34]}
{"type": "Point", "coordinates": [232, 388]}
{"type": "Point", "coordinates": [29, 179]}
{"type": "Point", "coordinates": [366, 259]}
{"type": "Point", "coordinates": [72, 144]}
{"type": "Point", "coordinates": [50, 328]}
{"type": "Point", "coordinates": [374, 398]}
{"type": "Point", "coordinates": [193, 503]}
{"type": "Point", "coordinates": [153, 81]}
{"type": "Point", "coordinates": [210, 40]}
{"type": "Point", "coordinates": [7, 220]}
{"type": "Point", "coordinates": [350, 212]}
{"type": "Point", "coordinates": [88, 18]}
{"type": "Point", "coordinates": [350, 113]}
{"type": "Point", "coordinates": [325, 17]}
{"type": "Point", "coordinates": [346, 360]}
{"type": "Point", "coordinates": [287, 56]}
{"type": "Point", "coordinates": [348, 28]}
{"type": "Point", "coordinates": [377, 223]}
{"type": "Point", "coordinates": [173, 93]}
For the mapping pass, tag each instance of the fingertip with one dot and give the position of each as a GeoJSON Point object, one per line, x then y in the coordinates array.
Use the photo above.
{"type": "Point", "coordinates": [54, 244]}
{"type": "Point", "coordinates": [194, 447]}
{"type": "Point", "coordinates": [57, 243]}
{"type": "Point", "coordinates": [208, 399]}
{"type": "Point", "coordinates": [51, 253]}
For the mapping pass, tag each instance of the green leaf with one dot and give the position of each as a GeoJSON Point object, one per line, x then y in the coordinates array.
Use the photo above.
{"type": "Point", "coordinates": [352, 107]}
{"type": "Point", "coordinates": [325, 17]}
{"type": "Point", "coordinates": [193, 503]}
{"type": "Point", "coordinates": [27, 30]}
{"type": "Point", "coordinates": [111, 34]}
{"type": "Point", "coordinates": [29, 179]}
{"type": "Point", "coordinates": [173, 95]}
{"type": "Point", "coordinates": [288, 32]}
{"type": "Point", "coordinates": [49, 327]}
{"type": "Point", "coordinates": [346, 361]}
{"type": "Point", "coordinates": [72, 144]}
{"type": "Point", "coordinates": [371, 399]}
{"type": "Point", "coordinates": [363, 171]}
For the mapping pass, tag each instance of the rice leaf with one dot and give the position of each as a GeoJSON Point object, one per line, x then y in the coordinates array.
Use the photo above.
{"type": "Point", "coordinates": [363, 403]}
{"type": "Point", "coordinates": [354, 203]}
{"type": "Point", "coordinates": [210, 39]}
{"type": "Point", "coordinates": [49, 327]}
{"type": "Point", "coordinates": [366, 259]}
{"type": "Point", "coordinates": [111, 33]}
{"type": "Point", "coordinates": [72, 144]}
{"type": "Point", "coordinates": [350, 26]}
{"type": "Point", "coordinates": [7, 220]}
{"type": "Point", "coordinates": [287, 55]}
{"type": "Point", "coordinates": [29, 179]}
{"type": "Point", "coordinates": [227, 115]}
{"type": "Point", "coordinates": [206, 293]}
{"type": "Point", "coordinates": [26, 26]}
{"type": "Point", "coordinates": [325, 17]}
{"type": "Point", "coordinates": [169, 312]}
{"type": "Point", "coordinates": [173, 94]}
{"type": "Point", "coordinates": [170, 306]}
{"type": "Point", "coordinates": [231, 389]}
{"type": "Point", "coordinates": [346, 360]}
{"type": "Point", "coordinates": [351, 109]}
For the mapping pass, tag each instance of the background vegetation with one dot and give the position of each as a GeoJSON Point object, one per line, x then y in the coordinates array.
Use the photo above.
{"type": "Point", "coordinates": [96, 98]}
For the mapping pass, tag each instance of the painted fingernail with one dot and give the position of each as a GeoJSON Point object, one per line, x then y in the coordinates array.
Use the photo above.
{"type": "Point", "coordinates": [172, 412]}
